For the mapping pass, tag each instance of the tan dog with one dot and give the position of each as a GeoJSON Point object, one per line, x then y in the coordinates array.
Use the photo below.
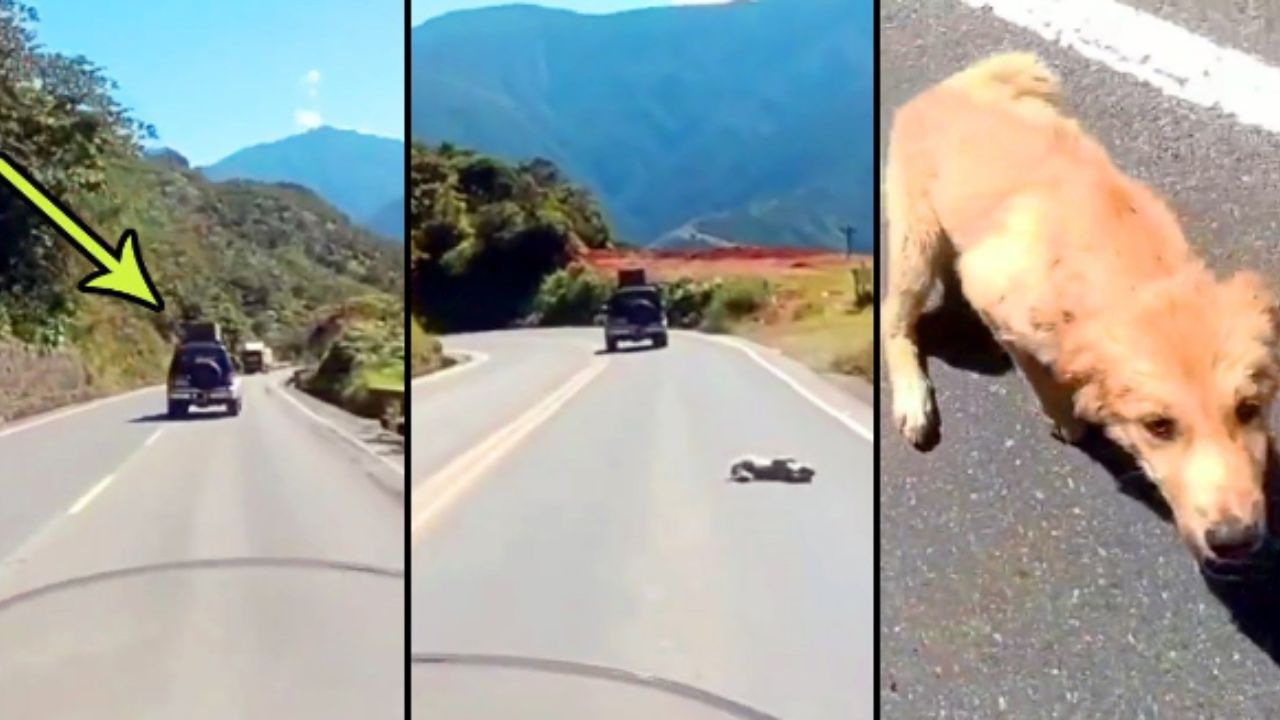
{"type": "Point", "coordinates": [1084, 276]}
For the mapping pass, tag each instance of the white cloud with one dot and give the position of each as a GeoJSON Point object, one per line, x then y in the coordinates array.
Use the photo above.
{"type": "Point", "coordinates": [701, 2]}
{"type": "Point", "coordinates": [307, 119]}
{"type": "Point", "coordinates": [311, 79]}
{"type": "Point", "coordinates": [303, 117]}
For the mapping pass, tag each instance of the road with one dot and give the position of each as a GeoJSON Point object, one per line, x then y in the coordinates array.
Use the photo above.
{"type": "Point", "coordinates": [116, 485]}
{"type": "Point", "coordinates": [1017, 580]}
{"type": "Point", "coordinates": [608, 533]}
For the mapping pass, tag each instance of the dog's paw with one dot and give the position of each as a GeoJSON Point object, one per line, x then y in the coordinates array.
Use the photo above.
{"type": "Point", "coordinates": [916, 416]}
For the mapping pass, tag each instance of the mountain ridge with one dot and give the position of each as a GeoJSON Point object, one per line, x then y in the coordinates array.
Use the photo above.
{"type": "Point", "coordinates": [358, 173]}
{"type": "Point", "coordinates": [672, 115]}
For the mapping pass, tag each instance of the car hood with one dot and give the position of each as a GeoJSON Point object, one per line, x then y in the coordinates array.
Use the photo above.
{"type": "Point", "coordinates": [511, 687]}
{"type": "Point", "coordinates": [242, 637]}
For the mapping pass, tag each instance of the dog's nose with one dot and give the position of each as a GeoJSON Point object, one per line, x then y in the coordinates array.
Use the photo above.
{"type": "Point", "coordinates": [1233, 539]}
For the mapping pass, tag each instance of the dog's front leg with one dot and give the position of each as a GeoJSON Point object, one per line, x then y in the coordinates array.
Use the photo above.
{"type": "Point", "coordinates": [1055, 397]}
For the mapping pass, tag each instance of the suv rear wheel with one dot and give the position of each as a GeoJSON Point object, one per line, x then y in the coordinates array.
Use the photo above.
{"type": "Point", "coordinates": [177, 409]}
{"type": "Point", "coordinates": [233, 407]}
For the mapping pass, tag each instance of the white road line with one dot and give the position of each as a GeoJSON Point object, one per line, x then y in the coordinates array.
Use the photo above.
{"type": "Point", "coordinates": [474, 360]}
{"type": "Point", "coordinates": [72, 410]}
{"type": "Point", "coordinates": [791, 382]}
{"type": "Point", "coordinates": [284, 393]}
{"type": "Point", "coordinates": [29, 545]}
{"type": "Point", "coordinates": [96, 490]}
{"type": "Point", "coordinates": [1156, 51]}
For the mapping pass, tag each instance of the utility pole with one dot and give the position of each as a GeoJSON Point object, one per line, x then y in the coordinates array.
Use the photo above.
{"type": "Point", "coordinates": [849, 232]}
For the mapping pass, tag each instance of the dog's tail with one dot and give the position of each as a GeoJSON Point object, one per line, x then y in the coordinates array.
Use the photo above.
{"type": "Point", "coordinates": [1009, 76]}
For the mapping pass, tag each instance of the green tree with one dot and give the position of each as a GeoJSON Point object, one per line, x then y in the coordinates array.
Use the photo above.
{"type": "Point", "coordinates": [58, 118]}
{"type": "Point", "coordinates": [485, 234]}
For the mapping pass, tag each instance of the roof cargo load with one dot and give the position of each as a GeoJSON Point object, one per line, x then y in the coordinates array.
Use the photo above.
{"type": "Point", "coordinates": [201, 332]}
{"type": "Point", "coordinates": [629, 277]}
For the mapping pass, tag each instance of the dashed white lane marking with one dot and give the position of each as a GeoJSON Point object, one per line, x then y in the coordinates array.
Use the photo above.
{"type": "Point", "coordinates": [794, 384]}
{"type": "Point", "coordinates": [96, 490]}
{"type": "Point", "coordinates": [1177, 61]}
{"type": "Point", "coordinates": [23, 551]}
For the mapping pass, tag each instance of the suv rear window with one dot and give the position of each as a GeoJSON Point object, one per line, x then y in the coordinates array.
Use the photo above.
{"type": "Point", "coordinates": [623, 300]}
{"type": "Point", "coordinates": [636, 306]}
{"type": "Point", "coordinates": [186, 358]}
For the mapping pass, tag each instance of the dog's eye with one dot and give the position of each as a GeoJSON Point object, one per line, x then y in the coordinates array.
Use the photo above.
{"type": "Point", "coordinates": [1161, 428]}
{"type": "Point", "coordinates": [1248, 411]}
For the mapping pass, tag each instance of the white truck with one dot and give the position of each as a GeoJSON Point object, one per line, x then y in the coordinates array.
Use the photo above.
{"type": "Point", "coordinates": [255, 357]}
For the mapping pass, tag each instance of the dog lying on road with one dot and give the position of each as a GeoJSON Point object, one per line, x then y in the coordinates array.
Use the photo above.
{"type": "Point", "coordinates": [781, 469]}
{"type": "Point", "coordinates": [1085, 278]}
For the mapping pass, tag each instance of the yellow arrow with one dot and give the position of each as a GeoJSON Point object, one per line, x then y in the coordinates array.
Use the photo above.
{"type": "Point", "coordinates": [120, 272]}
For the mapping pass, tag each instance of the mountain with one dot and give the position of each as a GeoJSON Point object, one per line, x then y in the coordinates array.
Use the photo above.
{"type": "Point", "coordinates": [359, 174]}
{"type": "Point", "coordinates": [167, 157]}
{"type": "Point", "coordinates": [261, 257]}
{"type": "Point", "coordinates": [267, 261]}
{"type": "Point", "coordinates": [389, 221]}
{"type": "Point", "coordinates": [264, 260]}
{"type": "Point", "coordinates": [750, 121]}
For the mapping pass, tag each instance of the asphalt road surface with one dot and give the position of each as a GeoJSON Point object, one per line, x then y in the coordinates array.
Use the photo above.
{"type": "Point", "coordinates": [1017, 578]}
{"type": "Point", "coordinates": [311, 625]}
{"type": "Point", "coordinates": [608, 533]}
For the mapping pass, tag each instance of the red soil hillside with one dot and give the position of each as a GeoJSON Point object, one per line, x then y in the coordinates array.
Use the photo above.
{"type": "Point", "coordinates": [736, 261]}
{"type": "Point", "coordinates": [810, 314]}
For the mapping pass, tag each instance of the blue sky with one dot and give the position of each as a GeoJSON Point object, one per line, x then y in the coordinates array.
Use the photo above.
{"type": "Point", "coordinates": [214, 77]}
{"type": "Point", "coordinates": [423, 10]}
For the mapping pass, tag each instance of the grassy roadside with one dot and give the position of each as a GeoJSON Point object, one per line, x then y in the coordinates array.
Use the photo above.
{"type": "Point", "coordinates": [817, 320]}
{"type": "Point", "coordinates": [360, 346]}
{"type": "Point", "coordinates": [812, 313]}
{"type": "Point", "coordinates": [426, 353]}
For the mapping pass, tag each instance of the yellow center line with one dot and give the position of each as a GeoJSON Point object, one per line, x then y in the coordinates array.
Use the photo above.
{"type": "Point", "coordinates": [444, 487]}
{"type": "Point", "coordinates": [89, 496]}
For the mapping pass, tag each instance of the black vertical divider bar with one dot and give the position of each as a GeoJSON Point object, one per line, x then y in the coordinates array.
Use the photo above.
{"type": "Point", "coordinates": [406, 409]}
{"type": "Point", "coordinates": [876, 262]}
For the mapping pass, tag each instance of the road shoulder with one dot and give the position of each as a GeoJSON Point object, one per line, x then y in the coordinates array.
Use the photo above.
{"type": "Point", "coordinates": [368, 435]}
{"type": "Point", "coordinates": [848, 403]}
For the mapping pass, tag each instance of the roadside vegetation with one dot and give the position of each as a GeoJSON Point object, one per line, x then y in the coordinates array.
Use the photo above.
{"type": "Point", "coordinates": [821, 316]}
{"type": "Point", "coordinates": [426, 352]}
{"type": "Point", "coordinates": [263, 260]}
{"type": "Point", "coordinates": [498, 245]}
{"type": "Point", "coordinates": [486, 234]}
{"type": "Point", "coordinates": [355, 358]}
